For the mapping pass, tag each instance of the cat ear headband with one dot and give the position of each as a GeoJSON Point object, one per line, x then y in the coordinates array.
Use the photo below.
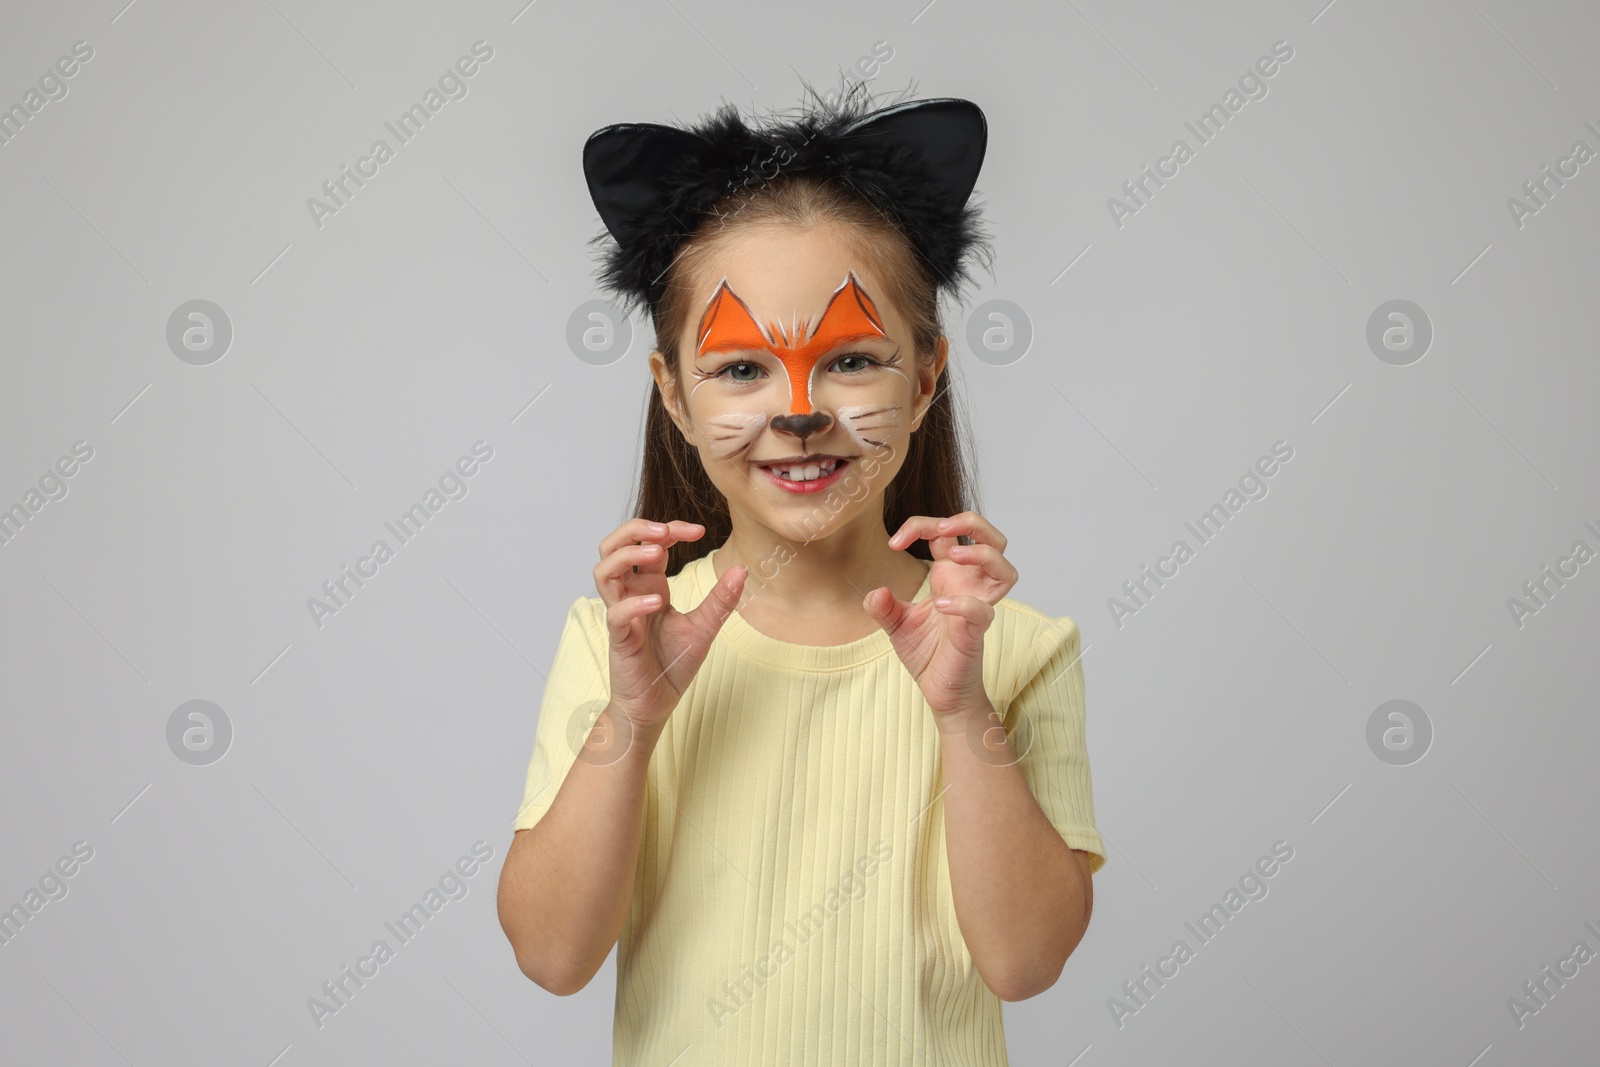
{"type": "Point", "coordinates": [917, 161]}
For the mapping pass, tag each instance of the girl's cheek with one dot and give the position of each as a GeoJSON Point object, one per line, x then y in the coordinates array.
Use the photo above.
{"type": "Point", "coordinates": [728, 435]}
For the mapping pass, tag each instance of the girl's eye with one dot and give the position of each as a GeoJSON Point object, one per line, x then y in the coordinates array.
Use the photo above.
{"type": "Point", "coordinates": [741, 366]}
{"type": "Point", "coordinates": [862, 363]}
{"type": "Point", "coordinates": [744, 371]}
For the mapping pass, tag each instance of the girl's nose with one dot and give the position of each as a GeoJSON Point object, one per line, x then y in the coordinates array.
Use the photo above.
{"type": "Point", "coordinates": [802, 426]}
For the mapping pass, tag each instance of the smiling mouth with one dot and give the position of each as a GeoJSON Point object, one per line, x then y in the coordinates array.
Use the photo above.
{"type": "Point", "coordinates": [812, 468]}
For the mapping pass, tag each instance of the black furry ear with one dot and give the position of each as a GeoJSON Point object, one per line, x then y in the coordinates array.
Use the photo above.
{"type": "Point", "coordinates": [917, 161]}
{"type": "Point", "coordinates": [626, 166]}
{"type": "Point", "coordinates": [950, 135]}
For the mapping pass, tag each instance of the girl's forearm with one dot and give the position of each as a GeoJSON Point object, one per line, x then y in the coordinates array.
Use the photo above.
{"type": "Point", "coordinates": [567, 882]}
{"type": "Point", "coordinates": [1022, 898]}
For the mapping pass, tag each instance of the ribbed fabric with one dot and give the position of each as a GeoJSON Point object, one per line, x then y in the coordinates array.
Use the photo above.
{"type": "Point", "coordinates": [792, 902]}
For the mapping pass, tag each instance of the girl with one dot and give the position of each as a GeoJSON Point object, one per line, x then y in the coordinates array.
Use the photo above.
{"type": "Point", "coordinates": [803, 760]}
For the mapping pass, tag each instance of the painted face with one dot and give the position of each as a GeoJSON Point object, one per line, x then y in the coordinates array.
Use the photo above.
{"type": "Point", "coordinates": [844, 369]}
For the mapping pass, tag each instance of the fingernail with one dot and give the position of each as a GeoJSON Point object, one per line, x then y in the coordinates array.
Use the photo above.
{"type": "Point", "coordinates": [942, 602]}
{"type": "Point", "coordinates": [944, 524]}
{"type": "Point", "coordinates": [657, 529]}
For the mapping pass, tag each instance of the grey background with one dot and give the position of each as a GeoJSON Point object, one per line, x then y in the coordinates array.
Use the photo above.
{"type": "Point", "coordinates": [431, 312]}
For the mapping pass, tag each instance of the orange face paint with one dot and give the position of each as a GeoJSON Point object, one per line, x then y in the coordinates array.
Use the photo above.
{"type": "Point", "coordinates": [728, 326]}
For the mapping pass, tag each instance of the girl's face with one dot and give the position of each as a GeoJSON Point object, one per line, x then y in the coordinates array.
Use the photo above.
{"type": "Point", "coordinates": [797, 381]}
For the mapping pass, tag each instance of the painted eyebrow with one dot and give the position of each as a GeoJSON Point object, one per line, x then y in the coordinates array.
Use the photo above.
{"type": "Point", "coordinates": [740, 339]}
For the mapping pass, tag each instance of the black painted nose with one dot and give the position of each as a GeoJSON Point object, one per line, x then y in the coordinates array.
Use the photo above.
{"type": "Point", "coordinates": [802, 426]}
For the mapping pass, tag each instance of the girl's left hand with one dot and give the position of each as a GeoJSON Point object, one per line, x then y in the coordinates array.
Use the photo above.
{"type": "Point", "coordinates": [942, 647]}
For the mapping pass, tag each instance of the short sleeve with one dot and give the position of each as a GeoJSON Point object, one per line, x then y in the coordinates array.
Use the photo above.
{"type": "Point", "coordinates": [577, 689]}
{"type": "Point", "coordinates": [1047, 716]}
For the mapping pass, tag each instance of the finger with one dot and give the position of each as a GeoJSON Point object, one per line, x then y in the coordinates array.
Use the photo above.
{"type": "Point", "coordinates": [975, 612]}
{"type": "Point", "coordinates": [724, 596]}
{"type": "Point", "coordinates": [914, 528]}
{"type": "Point", "coordinates": [925, 527]}
{"type": "Point", "coordinates": [631, 532]}
{"type": "Point", "coordinates": [617, 576]}
{"type": "Point", "coordinates": [941, 533]}
{"type": "Point", "coordinates": [886, 609]}
{"type": "Point", "coordinates": [677, 530]}
{"type": "Point", "coordinates": [652, 559]}
{"type": "Point", "coordinates": [986, 558]}
{"type": "Point", "coordinates": [620, 616]}
{"type": "Point", "coordinates": [636, 530]}
{"type": "Point", "coordinates": [974, 526]}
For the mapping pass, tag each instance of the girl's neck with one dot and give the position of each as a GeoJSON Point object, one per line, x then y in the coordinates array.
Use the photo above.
{"type": "Point", "coordinates": [817, 586]}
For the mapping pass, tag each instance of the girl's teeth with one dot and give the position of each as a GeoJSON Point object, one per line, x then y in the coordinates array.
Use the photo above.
{"type": "Point", "coordinates": [808, 474]}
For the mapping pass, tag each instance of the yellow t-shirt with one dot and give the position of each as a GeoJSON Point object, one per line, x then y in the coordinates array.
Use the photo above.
{"type": "Point", "coordinates": [792, 901]}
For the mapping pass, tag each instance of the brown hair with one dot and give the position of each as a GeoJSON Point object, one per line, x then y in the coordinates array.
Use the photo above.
{"type": "Point", "coordinates": [938, 477]}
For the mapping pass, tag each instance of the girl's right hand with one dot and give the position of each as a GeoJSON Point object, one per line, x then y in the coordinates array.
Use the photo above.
{"type": "Point", "coordinates": [655, 649]}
